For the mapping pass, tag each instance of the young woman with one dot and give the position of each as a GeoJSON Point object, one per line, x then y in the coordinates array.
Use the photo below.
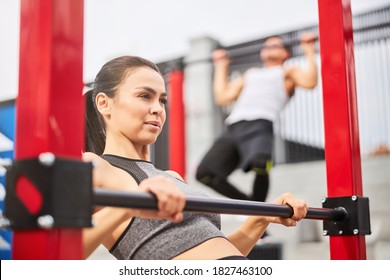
{"type": "Point", "coordinates": [125, 114]}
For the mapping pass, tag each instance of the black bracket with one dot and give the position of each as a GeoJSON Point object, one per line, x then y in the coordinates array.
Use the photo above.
{"type": "Point", "coordinates": [64, 187]}
{"type": "Point", "coordinates": [356, 222]}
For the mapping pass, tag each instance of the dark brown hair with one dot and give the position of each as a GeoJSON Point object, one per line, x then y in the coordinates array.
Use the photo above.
{"type": "Point", "coordinates": [109, 78]}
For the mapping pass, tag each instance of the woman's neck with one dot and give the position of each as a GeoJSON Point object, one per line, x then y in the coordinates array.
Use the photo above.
{"type": "Point", "coordinates": [125, 148]}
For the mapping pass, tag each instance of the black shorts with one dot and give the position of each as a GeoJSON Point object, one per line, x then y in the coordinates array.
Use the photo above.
{"type": "Point", "coordinates": [243, 144]}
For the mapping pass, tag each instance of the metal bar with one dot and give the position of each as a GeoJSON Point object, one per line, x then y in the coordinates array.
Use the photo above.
{"type": "Point", "coordinates": [238, 52]}
{"type": "Point", "coordinates": [50, 74]}
{"type": "Point", "coordinates": [140, 200]}
{"type": "Point", "coordinates": [255, 49]}
{"type": "Point", "coordinates": [342, 150]}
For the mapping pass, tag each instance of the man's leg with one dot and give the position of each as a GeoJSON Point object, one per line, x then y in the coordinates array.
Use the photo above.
{"type": "Point", "coordinates": [261, 167]}
{"type": "Point", "coordinates": [255, 140]}
{"type": "Point", "coordinates": [218, 163]}
{"type": "Point", "coordinates": [261, 180]}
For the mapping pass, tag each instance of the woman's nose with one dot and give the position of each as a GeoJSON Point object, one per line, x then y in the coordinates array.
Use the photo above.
{"type": "Point", "coordinates": [157, 108]}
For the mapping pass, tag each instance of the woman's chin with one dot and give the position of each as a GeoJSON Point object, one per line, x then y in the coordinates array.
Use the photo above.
{"type": "Point", "coordinates": [148, 141]}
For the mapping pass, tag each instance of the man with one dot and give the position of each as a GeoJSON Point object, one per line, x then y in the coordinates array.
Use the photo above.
{"type": "Point", "coordinates": [258, 96]}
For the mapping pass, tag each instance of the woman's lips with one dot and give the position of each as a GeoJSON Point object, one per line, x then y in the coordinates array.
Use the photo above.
{"type": "Point", "coordinates": [154, 124]}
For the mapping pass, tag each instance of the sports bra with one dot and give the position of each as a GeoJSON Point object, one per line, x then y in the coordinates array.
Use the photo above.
{"type": "Point", "coordinates": [149, 239]}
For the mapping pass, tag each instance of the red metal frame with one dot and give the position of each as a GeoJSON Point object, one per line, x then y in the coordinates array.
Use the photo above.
{"type": "Point", "coordinates": [176, 134]}
{"type": "Point", "coordinates": [50, 74]}
{"type": "Point", "coordinates": [342, 150]}
{"type": "Point", "coordinates": [49, 108]}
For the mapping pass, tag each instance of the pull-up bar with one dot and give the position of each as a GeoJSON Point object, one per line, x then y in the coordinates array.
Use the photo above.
{"type": "Point", "coordinates": [254, 49]}
{"type": "Point", "coordinates": [341, 215]}
{"type": "Point", "coordinates": [140, 200]}
{"type": "Point", "coordinates": [247, 50]}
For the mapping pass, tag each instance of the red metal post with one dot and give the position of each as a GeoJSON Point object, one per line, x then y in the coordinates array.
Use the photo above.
{"type": "Point", "coordinates": [342, 150]}
{"type": "Point", "coordinates": [177, 160]}
{"type": "Point", "coordinates": [49, 110]}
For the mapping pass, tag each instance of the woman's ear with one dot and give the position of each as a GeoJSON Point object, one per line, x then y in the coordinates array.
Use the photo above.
{"type": "Point", "coordinates": [103, 103]}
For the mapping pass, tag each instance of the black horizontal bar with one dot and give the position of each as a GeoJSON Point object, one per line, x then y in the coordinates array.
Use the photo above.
{"type": "Point", "coordinates": [237, 52]}
{"type": "Point", "coordinates": [141, 200]}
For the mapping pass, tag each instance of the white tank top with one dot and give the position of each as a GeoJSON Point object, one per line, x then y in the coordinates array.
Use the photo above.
{"type": "Point", "coordinates": [263, 96]}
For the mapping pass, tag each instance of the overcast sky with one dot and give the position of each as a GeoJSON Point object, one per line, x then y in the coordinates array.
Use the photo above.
{"type": "Point", "coordinates": [161, 29]}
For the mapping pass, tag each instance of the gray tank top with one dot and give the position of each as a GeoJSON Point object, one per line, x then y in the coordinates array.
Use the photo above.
{"type": "Point", "coordinates": [147, 239]}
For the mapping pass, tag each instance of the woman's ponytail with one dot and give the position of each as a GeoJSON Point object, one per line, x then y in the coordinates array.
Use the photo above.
{"type": "Point", "coordinates": [95, 139]}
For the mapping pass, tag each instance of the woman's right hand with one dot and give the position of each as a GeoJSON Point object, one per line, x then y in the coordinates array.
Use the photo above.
{"type": "Point", "coordinates": [110, 222]}
{"type": "Point", "coordinates": [170, 199]}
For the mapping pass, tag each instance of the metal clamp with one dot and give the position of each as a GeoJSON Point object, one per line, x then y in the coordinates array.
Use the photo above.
{"type": "Point", "coordinates": [357, 221]}
{"type": "Point", "coordinates": [63, 187]}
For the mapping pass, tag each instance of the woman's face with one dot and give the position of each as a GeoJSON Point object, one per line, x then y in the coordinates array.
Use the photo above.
{"type": "Point", "coordinates": [138, 110]}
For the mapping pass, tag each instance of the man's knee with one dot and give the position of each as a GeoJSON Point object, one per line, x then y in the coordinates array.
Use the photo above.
{"type": "Point", "coordinates": [261, 165]}
{"type": "Point", "coordinates": [203, 174]}
{"type": "Point", "coordinates": [206, 176]}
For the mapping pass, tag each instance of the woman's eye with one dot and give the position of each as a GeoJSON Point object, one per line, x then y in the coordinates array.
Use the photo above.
{"type": "Point", "coordinates": [164, 101]}
{"type": "Point", "coordinates": [145, 96]}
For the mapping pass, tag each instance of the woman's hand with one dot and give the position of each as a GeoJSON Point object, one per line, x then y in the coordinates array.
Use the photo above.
{"type": "Point", "coordinates": [110, 222]}
{"type": "Point", "coordinates": [170, 199]}
{"type": "Point", "coordinates": [253, 228]}
{"type": "Point", "coordinates": [299, 207]}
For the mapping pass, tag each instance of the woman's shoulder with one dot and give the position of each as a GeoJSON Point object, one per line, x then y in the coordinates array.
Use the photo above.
{"type": "Point", "coordinates": [107, 175]}
{"type": "Point", "coordinates": [174, 174]}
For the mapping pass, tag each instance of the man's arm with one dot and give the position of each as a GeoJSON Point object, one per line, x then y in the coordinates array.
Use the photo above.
{"type": "Point", "coordinates": [306, 78]}
{"type": "Point", "coordinates": [225, 91]}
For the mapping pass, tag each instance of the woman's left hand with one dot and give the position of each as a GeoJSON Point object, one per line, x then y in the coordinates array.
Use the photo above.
{"type": "Point", "coordinates": [299, 207]}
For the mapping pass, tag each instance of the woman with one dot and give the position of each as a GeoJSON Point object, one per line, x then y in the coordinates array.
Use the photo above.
{"type": "Point", "coordinates": [125, 114]}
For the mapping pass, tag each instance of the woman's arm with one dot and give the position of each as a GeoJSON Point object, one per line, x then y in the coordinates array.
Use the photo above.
{"type": "Point", "coordinates": [106, 223]}
{"type": "Point", "coordinates": [247, 235]}
{"type": "Point", "coordinates": [110, 222]}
